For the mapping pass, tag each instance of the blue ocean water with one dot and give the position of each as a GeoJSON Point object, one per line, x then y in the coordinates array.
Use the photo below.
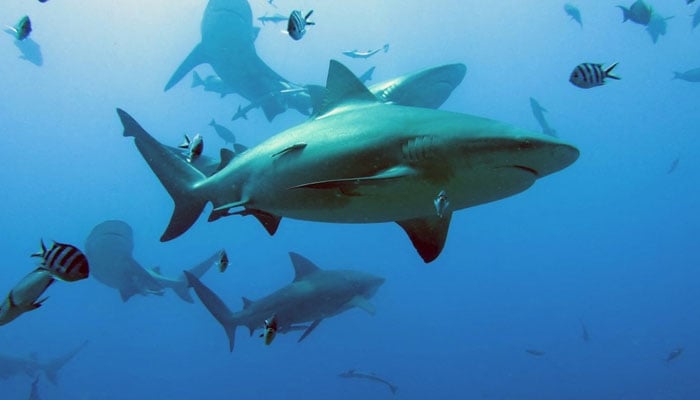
{"type": "Point", "coordinates": [609, 242]}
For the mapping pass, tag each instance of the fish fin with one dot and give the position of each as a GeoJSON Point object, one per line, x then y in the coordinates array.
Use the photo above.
{"type": "Point", "coordinates": [269, 221]}
{"type": "Point", "coordinates": [41, 252]}
{"type": "Point", "coordinates": [226, 156]}
{"type": "Point", "coordinates": [216, 307]}
{"type": "Point", "coordinates": [302, 266]}
{"type": "Point", "coordinates": [182, 289]}
{"type": "Point", "coordinates": [38, 303]}
{"type": "Point", "coordinates": [427, 234]}
{"type": "Point", "coordinates": [197, 56]}
{"type": "Point", "coordinates": [343, 86]}
{"type": "Point", "coordinates": [309, 329]}
{"type": "Point", "coordinates": [246, 302]}
{"type": "Point", "coordinates": [52, 367]}
{"type": "Point", "coordinates": [177, 176]}
{"type": "Point", "coordinates": [239, 148]}
{"type": "Point", "coordinates": [126, 293]}
{"type": "Point", "coordinates": [348, 184]}
{"type": "Point", "coordinates": [363, 304]}
{"type": "Point", "coordinates": [625, 13]}
{"type": "Point", "coordinates": [608, 72]}
{"type": "Point", "coordinates": [196, 80]}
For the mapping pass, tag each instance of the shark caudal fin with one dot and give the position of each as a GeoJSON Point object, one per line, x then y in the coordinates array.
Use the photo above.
{"type": "Point", "coordinates": [176, 174]}
{"type": "Point", "coordinates": [52, 367]}
{"type": "Point", "coordinates": [216, 307]}
{"type": "Point", "coordinates": [182, 289]}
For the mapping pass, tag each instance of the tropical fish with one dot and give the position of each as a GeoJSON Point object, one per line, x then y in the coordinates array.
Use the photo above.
{"type": "Point", "coordinates": [64, 261]}
{"type": "Point", "coordinates": [272, 18]}
{"type": "Point", "coordinates": [193, 147]}
{"type": "Point", "coordinates": [22, 28]}
{"type": "Point", "coordinates": [639, 12]}
{"type": "Point", "coordinates": [270, 330]}
{"type": "Point", "coordinates": [296, 26]}
{"type": "Point", "coordinates": [352, 373]}
{"type": "Point", "coordinates": [588, 75]}
{"type": "Point", "coordinates": [674, 354]}
{"type": "Point", "coordinates": [366, 54]}
{"type": "Point", "coordinates": [573, 12]}
{"type": "Point", "coordinates": [441, 204]}
{"type": "Point", "coordinates": [223, 132]}
{"type": "Point", "coordinates": [691, 75]}
{"type": "Point", "coordinates": [24, 297]}
{"type": "Point", "coordinates": [223, 261]}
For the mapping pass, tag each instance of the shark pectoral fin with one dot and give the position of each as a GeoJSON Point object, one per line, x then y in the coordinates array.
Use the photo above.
{"type": "Point", "coordinates": [309, 329]}
{"type": "Point", "coordinates": [346, 185]}
{"type": "Point", "coordinates": [269, 221]}
{"type": "Point", "coordinates": [364, 304]}
{"type": "Point", "coordinates": [427, 234]}
{"type": "Point", "coordinates": [126, 293]}
{"type": "Point", "coordinates": [195, 58]}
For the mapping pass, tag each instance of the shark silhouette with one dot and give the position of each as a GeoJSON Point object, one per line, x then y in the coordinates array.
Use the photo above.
{"type": "Point", "coordinates": [313, 295]}
{"type": "Point", "coordinates": [13, 365]}
{"type": "Point", "coordinates": [360, 160]}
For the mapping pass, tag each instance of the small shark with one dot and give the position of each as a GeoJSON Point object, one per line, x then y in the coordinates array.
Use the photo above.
{"type": "Point", "coordinates": [538, 111]}
{"type": "Point", "coordinates": [366, 54]}
{"type": "Point", "coordinates": [12, 365]}
{"type": "Point", "coordinates": [356, 161]}
{"type": "Point", "coordinates": [351, 373]}
{"type": "Point", "coordinates": [313, 296]}
{"type": "Point", "coordinates": [109, 250]}
{"type": "Point", "coordinates": [227, 45]}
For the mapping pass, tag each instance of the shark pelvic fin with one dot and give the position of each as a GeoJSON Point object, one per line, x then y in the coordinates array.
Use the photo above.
{"type": "Point", "coordinates": [302, 266]}
{"type": "Point", "coordinates": [195, 58]}
{"type": "Point", "coordinates": [363, 304]}
{"type": "Point", "coordinates": [309, 329]}
{"type": "Point", "coordinates": [216, 307]}
{"type": "Point", "coordinates": [342, 86]}
{"type": "Point", "coordinates": [427, 234]}
{"type": "Point", "coordinates": [269, 221]}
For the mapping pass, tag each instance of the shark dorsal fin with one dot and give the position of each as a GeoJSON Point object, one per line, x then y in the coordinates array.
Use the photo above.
{"type": "Point", "coordinates": [226, 157]}
{"type": "Point", "coordinates": [343, 86]}
{"type": "Point", "coordinates": [246, 302]}
{"type": "Point", "coordinates": [302, 266]}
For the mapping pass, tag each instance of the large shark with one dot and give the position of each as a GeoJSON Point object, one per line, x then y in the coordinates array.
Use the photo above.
{"type": "Point", "coordinates": [313, 295]}
{"type": "Point", "coordinates": [109, 250]}
{"type": "Point", "coordinates": [227, 45]}
{"type": "Point", "coordinates": [360, 160]}
{"type": "Point", "coordinates": [13, 365]}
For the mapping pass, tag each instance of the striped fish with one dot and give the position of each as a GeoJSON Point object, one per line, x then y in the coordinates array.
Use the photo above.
{"type": "Point", "coordinates": [588, 75]}
{"type": "Point", "coordinates": [64, 261]}
{"type": "Point", "coordinates": [193, 147]}
{"type": "Point", "coordinates": [296, 25]}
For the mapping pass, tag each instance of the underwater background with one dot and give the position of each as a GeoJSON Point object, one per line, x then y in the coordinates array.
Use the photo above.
{"type": "Point", "coordinates": [609, 243]}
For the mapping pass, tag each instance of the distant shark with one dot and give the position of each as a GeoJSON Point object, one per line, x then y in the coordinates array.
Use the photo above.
{"type": "Point", "coordinates": [11, 365]}
{"type": "Point", "coordinates": [313, 295]}
{"type": "Point", "coordinates": [109, 250]}
{"type": "Point", "coordinates": [227, 45]}
{"type": "Point", "coordinates": [360, 160]}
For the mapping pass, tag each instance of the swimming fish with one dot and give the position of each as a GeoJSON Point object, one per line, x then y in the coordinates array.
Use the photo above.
{"type": "Point", "coordinates": [24, 297]}
{"type": "Point", "coordinates": [657, 26]}
{"type": "Point", "coordinates": [441, 204]}
{"type": "Point", "coordinates": [194, 146]}
{"type": "Point", "coordinates": [536, 353]}
{"type": "Point", "coordinates": [673, 166]}
{"type": "Point", "coordinates": [22, 29]}
{"type": "Point", "coordinates": [352, 373]}
{"type": "Point", "coordinates": [573, 12]}
{"type": "Point", "coordinates": [366, 54]}
{"type": "Point", "coordinates": [674, 354]}
{"type": "Point", "coordinates": [588, 75]}
{"type": "Point", "coordinates": [223, 261]}
{"type": "Point", "coordinates": [64, 261]}
{"type": "Point", "coordinates": [223, 132]}
{"type": "Point", "coordinates": [270, 330]}
{"type": "Point", "coordinates": [692, 75]}
{"type": "Point", "coordinates": [296, 25]}
{"type": "Point", "coordinates": [639, 12]}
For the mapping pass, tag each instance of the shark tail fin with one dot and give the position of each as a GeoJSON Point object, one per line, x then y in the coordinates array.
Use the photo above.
{"type": "Point", "coordinates": [176, 174]}
{"type": "Point", "coordinates": [196, 80]}
{"type": "Point", "coordinates": [52, 367]}
{"type": "Point", "coordinates": [182, 289]}
{"type": "Point", "coordinates": [216, 307]}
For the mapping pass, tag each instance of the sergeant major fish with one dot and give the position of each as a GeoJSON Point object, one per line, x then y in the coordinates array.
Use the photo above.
{"type": "Point", "coordinates": [64, 261]}
{"type": "Point", "coordinates": [194, 147]}
{"type": "Point", "coordinates": [588, 75]}
{"type": "Point", "coordinates": [296, 26]}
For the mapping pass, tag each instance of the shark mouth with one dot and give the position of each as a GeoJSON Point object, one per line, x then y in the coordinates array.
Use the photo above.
{"type": "Point", "coordinates": [525, 168]}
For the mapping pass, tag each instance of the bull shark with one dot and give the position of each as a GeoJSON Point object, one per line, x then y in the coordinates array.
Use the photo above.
{"type": "Point", "coordinates": [227, 45]}
{"type": "Point", "coordinates": [13, 365]}
{"type": "Point", "coordinates": [109, 250]}
{"type": "Point", "coordinates": [360, 160]}
{"type": "Point", "coordinates": [313, 295]}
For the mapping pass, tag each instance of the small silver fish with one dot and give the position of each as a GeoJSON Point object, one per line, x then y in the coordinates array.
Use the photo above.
{"type": "Point", "coordinates": [588, 75]}
{"type": "Point", "coordinates": [270, 330]}
{"type": "Point", "coordinates": [223, 261]}
{"type": "Point", "coordinates": [194, 147]}
{"type": "Point", "coordinates": [441, 204]}
{"type": "Point", "coordinates": [296, 25]}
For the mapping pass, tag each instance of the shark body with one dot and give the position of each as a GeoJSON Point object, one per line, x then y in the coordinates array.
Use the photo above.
{"type": "Point", "coordinates": [313, 295]}
{"type": "Point", "coordinates": [13, 365]}
{"type": "Point", "coordinates": [360, 160]}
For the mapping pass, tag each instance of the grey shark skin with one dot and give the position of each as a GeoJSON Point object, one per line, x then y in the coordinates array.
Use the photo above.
{"type": "Point", "coordinates": [24, 297]}
{"type": "Point", "coordinates": [313, 295]}
{"type": "Point", "coordinates": [109, 250]}
{"type": "Point", "coordinates": [228, 46]}
{"type": "Point", "coordinates": [361, 161]}
{"type": "Point", "coordinates": [12, 365]}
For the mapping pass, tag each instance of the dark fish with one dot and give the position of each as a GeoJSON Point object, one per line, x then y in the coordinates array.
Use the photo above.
{"type": "Point", "coordinates": [639, 12]}
{"type": "Point", "coordinates": [534, 352]}
{"type": "Point", "coordinates": [657, 26]}
{"type": "Point", "coordinates": [673, 166]}
{"type": "Point", "coordinates": [692, 75]}
{"type": "Point", "coordinates": [223, 132]}
{"type": "Point", "coordinates": [573, 12]}
{"type": "Point", "coordinates": [696, 18]}
{"type": "Point", "coordinates": [64, 261]}
{"type": "Point", "coordinates": [296, 25]}
{"type": "Point", "coordinates": [674, 354]}
{"type": "Point", "coordinates": [588, 75]}
{"type": "Point", "coordinates": [223, 261]}
{"type": "Point", "coordinates": [689, 1]}
{"type": "Point", "coordinates": [270, 330]}
{"type": "Point", "coordinates": [351, 373]}
{"type": "Point", "coordinates": [584, 333]}
{"type": "Point", "coordinates": [194, 147]}
{"type": "Point", "coordinates": [22, 28]}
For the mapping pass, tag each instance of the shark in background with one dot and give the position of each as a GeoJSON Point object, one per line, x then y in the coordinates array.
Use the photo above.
{"type": "Point", "coordinates": [312, 296]}
{"type": "Point", "coordinates": [227, 44]}
{"type": "Point", "coordinates": [31, 366]}
{"type": "Point", "coordinates": [109, 250]}
{"type": "Point", "coordinates": [361, 160]}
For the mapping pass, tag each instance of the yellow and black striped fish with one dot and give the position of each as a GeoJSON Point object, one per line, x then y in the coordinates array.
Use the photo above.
{"type": "Point", "coordinates": [64, 261]}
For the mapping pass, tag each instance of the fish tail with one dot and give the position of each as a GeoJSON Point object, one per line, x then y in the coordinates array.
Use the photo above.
{"type": "Point", "coordinates": [196, 79]}
{"type": "Point", "coordinates": [41, 252]}
{"type": "Point", "coordinates": [52, 367]}
{"type": "Point", "coordinates": [213, 122]}
{"type": "Point", "coordinates": [625, 13]}
{"type": "Point", "coordinates": [177, 176]}
{"type": "Point", "coordinates": [182, 289]}
{"type": "Point", "coordinates": [677, 75]}
{"type": "Point", "coordinates": [216, 307]}
{"type": "Point", "coordinates": [608, 72]}
{"type": "Point", "coordinates": [393, 389]}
